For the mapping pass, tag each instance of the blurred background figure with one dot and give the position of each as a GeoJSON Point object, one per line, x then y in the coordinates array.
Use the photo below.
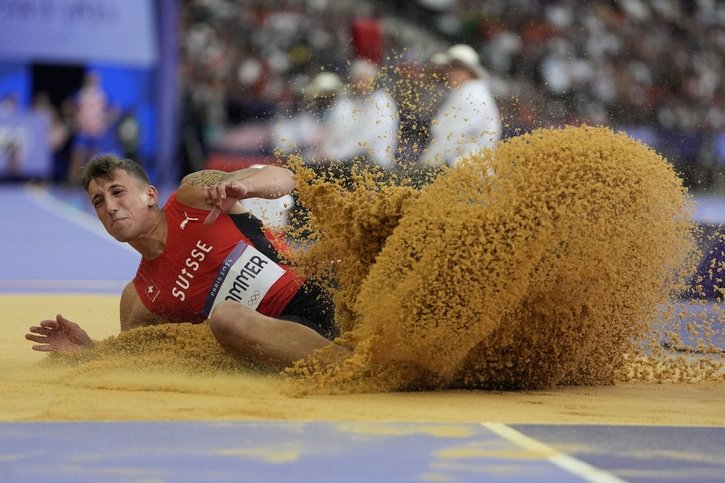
{"type": "Point", "coordinates": [9, 103]}
{"type": "Point", "coordinates": [92, 116]}
{"type": "Point", "coordinates": [367, 130]}
{"type": "Point", "coordinates": [128, 132]}
{"type": "Point", "coordinates": [11, 142]}
{"type": "Point", "coordinates": [59, 132]}
{"type": "Point", "coordinates": [300, 128]}
{"type": "Point", "coordinates": [468, 119]}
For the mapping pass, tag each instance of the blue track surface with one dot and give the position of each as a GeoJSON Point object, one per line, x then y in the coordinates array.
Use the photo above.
{"type": "Point", "coordinates": [354, 451]}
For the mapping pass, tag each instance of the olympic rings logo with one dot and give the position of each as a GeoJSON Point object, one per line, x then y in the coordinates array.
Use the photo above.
{"type": "Point", "coordinates": [254, 297]}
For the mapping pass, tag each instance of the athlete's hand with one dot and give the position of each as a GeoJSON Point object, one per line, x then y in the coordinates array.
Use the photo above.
{"type": "Point", "coordinates": [222, 196]}
{"type": "Point", "coordinates": [59, 335]}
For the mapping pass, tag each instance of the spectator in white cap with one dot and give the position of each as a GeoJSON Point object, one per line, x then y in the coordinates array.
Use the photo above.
{"type": "Point", "coordinates": [324, 85]}
{"type": "Point", "coordinates": [369, 125]}
{"type": "Point", "coordinates": [303, 132]}
{"type": "Point", "coordinates": [468, 120]}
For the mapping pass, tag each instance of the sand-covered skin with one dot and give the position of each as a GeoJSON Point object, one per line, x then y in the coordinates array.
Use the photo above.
{"type": "Point", "coordinates": [545, 262]}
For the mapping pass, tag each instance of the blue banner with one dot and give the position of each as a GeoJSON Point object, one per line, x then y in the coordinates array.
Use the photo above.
{"type": "Point", "coordinates": [78, 31]}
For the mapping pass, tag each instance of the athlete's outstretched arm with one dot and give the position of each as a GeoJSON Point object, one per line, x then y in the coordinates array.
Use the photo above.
{"type": "Point", "coordinates": [63, 335]}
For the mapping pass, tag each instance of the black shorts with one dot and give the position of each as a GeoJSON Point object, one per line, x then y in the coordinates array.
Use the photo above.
{"type": "Point", "coordinates": [312, 307]}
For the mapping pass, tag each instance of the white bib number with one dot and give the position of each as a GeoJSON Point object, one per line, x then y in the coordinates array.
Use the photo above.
{"type": "Point", "coordinates": [245, 277]}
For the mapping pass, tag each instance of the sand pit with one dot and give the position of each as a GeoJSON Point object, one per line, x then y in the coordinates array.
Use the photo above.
{"type": "Point", "coordinates": [34, 390]}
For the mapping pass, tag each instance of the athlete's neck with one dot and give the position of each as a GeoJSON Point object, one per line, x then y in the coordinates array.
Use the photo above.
{"type": "Point", "coordinates": [151, 244]}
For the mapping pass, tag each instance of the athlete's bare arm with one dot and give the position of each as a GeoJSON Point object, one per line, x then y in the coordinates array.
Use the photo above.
{"type": "Point", "coordinates": [219, 191]}
{"type": "Point", "coordinates": [63, 335]}
{"type": "Point", "coordinates": [209, 188]}
{"type": "Point", "coordinates": [133, 312]}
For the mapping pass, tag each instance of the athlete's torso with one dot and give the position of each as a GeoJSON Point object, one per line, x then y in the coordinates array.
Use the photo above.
{"type": "Point", "coordinates": [203, 265]}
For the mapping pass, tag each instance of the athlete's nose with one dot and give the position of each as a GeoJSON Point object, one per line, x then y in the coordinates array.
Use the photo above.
{"type": "Point", "coordinates": [111, 206]}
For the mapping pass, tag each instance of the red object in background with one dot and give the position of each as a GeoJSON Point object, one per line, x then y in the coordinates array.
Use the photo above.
{"type": "Point", "coordinates": [367, 39]}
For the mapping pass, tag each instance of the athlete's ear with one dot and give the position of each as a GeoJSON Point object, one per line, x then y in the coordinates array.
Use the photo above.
{"type": "Point", "coordinates": [153, 196]}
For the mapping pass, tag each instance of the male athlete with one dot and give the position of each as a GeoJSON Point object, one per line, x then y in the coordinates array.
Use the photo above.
{"type": "Point", "coordinates": [203, 258]}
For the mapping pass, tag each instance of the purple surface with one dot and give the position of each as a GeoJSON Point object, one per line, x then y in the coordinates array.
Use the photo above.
{"type": "Point", "coordinates": [642, 453]}
{"type": "Point", "coordinates": [50, 245]}
{"type": "Point", "coordinates": [349, 451]}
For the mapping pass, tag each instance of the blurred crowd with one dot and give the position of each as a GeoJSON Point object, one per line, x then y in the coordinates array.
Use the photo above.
{"type": "Point", "coordinates": [654, 68]}
{"type": "Point", "coordinates": [246, 61]}
{"type": "Point", "coordinates": [74, 131]}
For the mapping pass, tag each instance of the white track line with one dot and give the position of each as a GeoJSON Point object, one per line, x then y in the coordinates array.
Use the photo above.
{"type": "Point", "coordinates": [70, 213]}
{"type": "Point", "coordinates": [563, 461]}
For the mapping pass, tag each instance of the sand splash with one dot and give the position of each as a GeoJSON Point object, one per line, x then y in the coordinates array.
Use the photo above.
{"type": "Point", "coordinates": [545, 262]}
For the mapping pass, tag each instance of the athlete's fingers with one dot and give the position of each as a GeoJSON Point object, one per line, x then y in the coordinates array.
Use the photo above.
{"type": "Point", "coordinates": [212, 216]}
{"type": "Point", "coordinates": [238, 190]}
{"type": "Point", "coordinates": [62, 321]}
{"type": "Point", "coordinates": [42, 348]}
{"type": "Point", "coordinates": [218, 194]}
{"type": "Point", "coordinates": [50, 324]}
{"type": "Point", "coordinates": [222, 187]}
{"type": "Point", "coordinates": [40, 330]}
{"type": "Point", "coordinates": [205, 193]}
{"type": "Point", "coordinates": [36, 338]}
{"type": "Point", "coordinates": [213, 195]}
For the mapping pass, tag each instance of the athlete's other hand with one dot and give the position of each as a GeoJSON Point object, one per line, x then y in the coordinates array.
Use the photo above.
{"type": "Point", "coordinates": [59, 335]}
{"type": "Point", "coordinates": [223, 196]}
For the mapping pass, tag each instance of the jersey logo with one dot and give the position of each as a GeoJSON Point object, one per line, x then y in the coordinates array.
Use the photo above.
{"type": "Point", "coordinates": [187, 220]}
{"type": "Point", "coordinates": [152, 291]}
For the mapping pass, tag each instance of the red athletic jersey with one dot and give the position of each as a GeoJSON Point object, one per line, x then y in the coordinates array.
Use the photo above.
{"type": "Point", "coordinates": [202, 265]}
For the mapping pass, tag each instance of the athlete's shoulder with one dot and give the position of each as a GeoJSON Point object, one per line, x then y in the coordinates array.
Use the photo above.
{"type": "Point", "coordinates": [177, 204]}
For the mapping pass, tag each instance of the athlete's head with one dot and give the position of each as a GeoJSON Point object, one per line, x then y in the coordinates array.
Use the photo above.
{"type": "Point", "coordinates": [122, 195]}
{"type": "Point", "coordinates": [105, 165]}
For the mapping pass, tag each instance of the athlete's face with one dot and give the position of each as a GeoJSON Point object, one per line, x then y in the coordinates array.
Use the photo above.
{"type": "Point", "coordinates": [125, 205]}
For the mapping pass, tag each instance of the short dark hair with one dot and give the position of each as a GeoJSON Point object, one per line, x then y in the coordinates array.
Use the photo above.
{"type": "Point", "coordinates": [104, 165]}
